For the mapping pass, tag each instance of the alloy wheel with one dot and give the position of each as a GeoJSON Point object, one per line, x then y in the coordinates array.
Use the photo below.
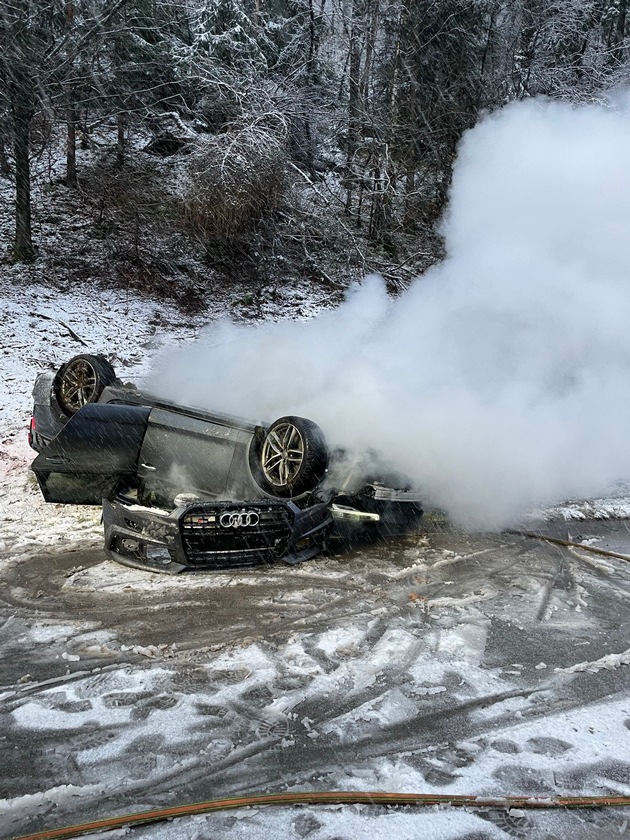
{"type": "Point", "coordinates": [282, 455]}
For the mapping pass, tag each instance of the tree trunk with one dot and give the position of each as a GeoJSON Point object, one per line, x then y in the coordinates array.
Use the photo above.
{"type": "Point", "coordinates": [5, 169]}
{"type": "Point", "coordinates": [354, 104]}
{"type": "Point", "coordinates": [528, 45]}
{"type": "Point", "coordinates": [310, 77]}
{"type": "Point", "coordinates": [71, 120]}
{"type": "Point", "coordinates": [23, 249]}
{"type": "Point", "coordinates": [620, 31]}
{"type": "Point", "coordinates": [381, 215]}
{"type": "Point", "coordinates": [71, 146]}
{"type": "Point", "coordinates": [120, 147]}
{"type": "Point", "coordinates": [370, 46]}
{"type": "Point", "coordinates": [410, 217]}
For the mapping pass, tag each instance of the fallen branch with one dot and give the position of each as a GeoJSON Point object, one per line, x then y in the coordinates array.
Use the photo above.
{"type": "Point", "coordinates": [70, 330]}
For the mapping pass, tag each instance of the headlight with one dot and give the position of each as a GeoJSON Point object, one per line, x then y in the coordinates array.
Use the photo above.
{"type": "Point", "coordinates": [345, 512]}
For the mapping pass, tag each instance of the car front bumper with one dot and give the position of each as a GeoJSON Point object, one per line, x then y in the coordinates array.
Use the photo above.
{"type": "Point", "coordinates": [213, 535]}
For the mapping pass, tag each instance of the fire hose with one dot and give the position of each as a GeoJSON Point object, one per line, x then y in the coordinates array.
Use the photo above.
{"type": "Point", "coordinates": [328, 798]}
{"type": "Point", "coordinates": [570, 544]}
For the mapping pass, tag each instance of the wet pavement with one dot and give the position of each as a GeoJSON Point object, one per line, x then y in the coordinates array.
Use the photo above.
{"type": "Point", "coordinates": [444, 662]}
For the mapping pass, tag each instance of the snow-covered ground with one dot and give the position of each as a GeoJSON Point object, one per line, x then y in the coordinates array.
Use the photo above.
{"type": "Point", "coordinates": [488, 664]}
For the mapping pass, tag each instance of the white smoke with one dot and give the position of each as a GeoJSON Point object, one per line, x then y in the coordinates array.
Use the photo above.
{"type": "Point", "coordinates": [501, 379]}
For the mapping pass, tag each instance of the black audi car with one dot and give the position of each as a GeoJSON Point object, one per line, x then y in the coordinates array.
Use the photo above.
{"type": "Point", "coordinates": [184, 488]}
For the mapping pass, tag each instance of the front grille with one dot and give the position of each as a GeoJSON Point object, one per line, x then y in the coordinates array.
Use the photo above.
{"type": "Point", "coordinates": [228, 534]}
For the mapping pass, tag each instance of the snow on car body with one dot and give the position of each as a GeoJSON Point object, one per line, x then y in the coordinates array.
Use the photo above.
{"type": "Point", "coordinates": [182, 487]}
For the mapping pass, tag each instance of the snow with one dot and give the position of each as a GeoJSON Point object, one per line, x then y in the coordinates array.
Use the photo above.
{"type": "Point", "coordinates": [610, 661]}
{"type": "Point", "coordinates": [378, 671]}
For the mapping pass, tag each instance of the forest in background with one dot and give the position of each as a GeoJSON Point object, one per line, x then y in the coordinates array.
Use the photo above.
{"type": "Point", "coordinates": [177, 144]}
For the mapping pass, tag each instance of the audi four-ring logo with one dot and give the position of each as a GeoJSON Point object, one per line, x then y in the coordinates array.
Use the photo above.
{"type": "Point", "coordinates": [239, 519]}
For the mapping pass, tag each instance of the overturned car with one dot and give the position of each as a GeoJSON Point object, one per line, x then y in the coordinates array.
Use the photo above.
{"type": "Point", "coordinates": [184, 488]}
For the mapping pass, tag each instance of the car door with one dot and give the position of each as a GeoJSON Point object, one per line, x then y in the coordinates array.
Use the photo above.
{"type": "Point", "coordinates": [183, 452]}
{"type": "Point", "coordinates": [94, 455]}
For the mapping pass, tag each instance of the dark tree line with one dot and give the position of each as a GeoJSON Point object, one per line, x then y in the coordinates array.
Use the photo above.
{"type": "Point", "coordinates": [371, 96]}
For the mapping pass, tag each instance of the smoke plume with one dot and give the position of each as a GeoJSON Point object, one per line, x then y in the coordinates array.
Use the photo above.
{"type": "Point", "coordinates": [501, 379]}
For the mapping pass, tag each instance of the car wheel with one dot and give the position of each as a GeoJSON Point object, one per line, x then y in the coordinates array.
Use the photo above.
{"type": "Point", "coordinates": [292, 457]}
{"type": "Point", "coordinates": [81, 381]}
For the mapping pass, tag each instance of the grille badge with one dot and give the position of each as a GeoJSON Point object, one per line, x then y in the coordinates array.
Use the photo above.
{"type": "Point", "coordinates": [239, 519]}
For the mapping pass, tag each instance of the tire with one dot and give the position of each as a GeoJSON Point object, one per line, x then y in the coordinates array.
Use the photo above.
{"type": "Point", "coordinates": [81, 381]}
{"type": "Point", "coordinates": [291, 457]}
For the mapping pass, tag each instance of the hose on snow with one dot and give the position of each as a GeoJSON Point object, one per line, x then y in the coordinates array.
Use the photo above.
{"type": "Point", "coordinates": [328, 798]}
